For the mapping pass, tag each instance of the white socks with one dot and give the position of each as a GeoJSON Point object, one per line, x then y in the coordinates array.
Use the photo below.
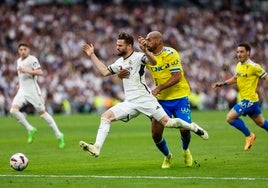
{"type": "Point", "coordinates": [21, 119]}
{"type": "Point", "coordinates": [48, 118]}
{"type": "Point", "coordinates": [179, 123]}
{"type": "Point", "coordinates": [103, 131]}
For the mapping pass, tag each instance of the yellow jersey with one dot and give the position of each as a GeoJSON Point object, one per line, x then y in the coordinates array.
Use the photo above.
{"type": "Point", "coordinates": [168, 62]}
{"type": "Point", "coordinates": [247, 75]}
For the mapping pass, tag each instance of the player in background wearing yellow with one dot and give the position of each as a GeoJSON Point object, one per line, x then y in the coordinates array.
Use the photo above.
{"type": "Point", "coordinates": [247, 75]}
{"type": "Point", "coordinates": [172, 91]}
{"type": "Point", "coordinates": [28, 69]}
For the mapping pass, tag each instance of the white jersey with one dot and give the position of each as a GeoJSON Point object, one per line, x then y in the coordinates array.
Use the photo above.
{"type": "Point", "coordinates": [28, 82]}
{"type": "Point", "coordinates": [135, 86]}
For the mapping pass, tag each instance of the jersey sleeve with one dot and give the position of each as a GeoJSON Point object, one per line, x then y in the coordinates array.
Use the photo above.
{"type": "Point", "coordinates": [35, 63]}
{"type": "Point", "coordinates": [143, 59]}
{"type": "Point", "coordinates": [260, 72]}
{"type": "Point", "coordinates": [115, 67]}
{"type": "Point", "coordinates": [174, 61]}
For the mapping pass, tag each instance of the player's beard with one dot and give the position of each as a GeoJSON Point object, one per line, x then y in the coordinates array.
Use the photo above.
{"type": "Point", "coordinates": [151, 48]}
{"type": "Point", "coordinates": [122, 53]}
{"type": "Point", "coordinates": [242, 59]}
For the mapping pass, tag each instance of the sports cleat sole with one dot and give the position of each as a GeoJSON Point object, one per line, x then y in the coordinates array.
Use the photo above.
{"type": "Point", "coordinates": [61, 142]}
{"type": "Point", "coordinates": [251, 141]}
{"type": "Point", "coordinates": [89, 148]}
{"type": "Point", "coordinates": [201, 132]}
{"type": "Point", "coordinates": [167, 161]}
{"type": "Point", "coordinates": [188, 158]}
{"type": "Point", "coordinates": [31, 135]}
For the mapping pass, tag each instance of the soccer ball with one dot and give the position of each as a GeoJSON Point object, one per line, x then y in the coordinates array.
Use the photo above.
{"type": "Point", "coordinates": [18, 161]}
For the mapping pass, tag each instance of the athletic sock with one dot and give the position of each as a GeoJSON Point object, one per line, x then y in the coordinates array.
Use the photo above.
{"type": "Point", "coordinates": [48, 118]}
{"type": "Point", "coordinates": [240, 125]}
{"type": "Point", "coordinates": [185, 141]}
{"type": "Point", "coordinates": [103, 131]}
{"type": "Point", "coordinates": [179, 123]}
{"type": "Point", "coordinates": [162, 146]}
{"type": "Point", "coordinates": [21, 119]}
{"type": "Point", "coordinates": [265, 125]}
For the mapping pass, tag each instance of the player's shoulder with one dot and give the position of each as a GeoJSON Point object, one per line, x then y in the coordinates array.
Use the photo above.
{"type": "Point", "coordinates": [32, 58]}
{"type": "Point", "coordinates": [169, 51]}
{"type": "Point", "coordinates": [137, 54]}
{"type": "Point", "coordinates": [252, 63]}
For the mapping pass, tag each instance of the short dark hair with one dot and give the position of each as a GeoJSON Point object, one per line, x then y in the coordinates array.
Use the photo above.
{"type": "Point", "coordinates": [24, 44]}
{"type": "Point", "coordinates": [246, 46]}
{"type": "Point", "coordinates": [126, 37]}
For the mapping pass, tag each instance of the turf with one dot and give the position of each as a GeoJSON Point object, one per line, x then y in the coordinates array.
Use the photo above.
{"type": "Point", "coordinates": [129, 158]}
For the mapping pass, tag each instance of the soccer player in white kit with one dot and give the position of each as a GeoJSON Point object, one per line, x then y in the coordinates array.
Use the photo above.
{"type": "Point", "coordinates": [138, 97]}
{"type": "Point", "coordinates": [28, 69]}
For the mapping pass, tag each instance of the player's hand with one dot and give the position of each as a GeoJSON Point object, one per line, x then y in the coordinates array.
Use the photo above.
{"type": "Point", "coordinates": [22, 70]}
{"type": "Point", "coordinates": [88, 49]}
{"type": "Point", "coordinates": [142, 43]}
{"type": "Point", "coordinates": [155, 91]}
{"type": "Point", "coordinates": [123, 73]}
{"type": "Point", "coordinates": [218, 84]}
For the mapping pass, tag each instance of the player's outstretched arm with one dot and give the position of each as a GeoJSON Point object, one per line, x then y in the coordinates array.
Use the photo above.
{"type": "Point", "coordinates": [224, 83]}
{"type": "Point", "coordinates": [102, 68]}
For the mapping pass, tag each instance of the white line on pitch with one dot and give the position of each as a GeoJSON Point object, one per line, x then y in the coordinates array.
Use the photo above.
{"type": "Point", "coordinates": [135, 177]}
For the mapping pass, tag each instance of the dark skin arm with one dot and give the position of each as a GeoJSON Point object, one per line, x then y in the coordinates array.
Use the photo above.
{"type": "Point", "coordinates": [175, 78]}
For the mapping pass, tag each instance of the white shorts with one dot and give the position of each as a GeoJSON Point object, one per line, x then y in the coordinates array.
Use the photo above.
{"type": "Point", "coordinates": [127, 110]}
{"type": "Point", "coordinates": [22, 98]}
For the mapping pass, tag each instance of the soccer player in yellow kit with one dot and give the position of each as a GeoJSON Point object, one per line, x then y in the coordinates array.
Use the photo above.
{"type": "Point", "coordinates": [172, 91]}
{"type": "Point", "coordinates": [247, 75]}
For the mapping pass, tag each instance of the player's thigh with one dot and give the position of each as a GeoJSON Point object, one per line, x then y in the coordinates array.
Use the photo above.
{"type": "Point", "coordinates": [152, 109]}
{"type": "Point", "coordinates": [124, 111]}
{"type": "Point", "coordinates": [19, 100]}
{"type": "Point", "coordinates": [180, 108]}
{"type": "Point", "coordinates": [37, 101]}
{"type": "Point", "coordinates": [258, 119]}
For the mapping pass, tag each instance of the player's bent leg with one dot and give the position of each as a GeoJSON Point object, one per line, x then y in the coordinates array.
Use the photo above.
{"type": "Point", "coordinates": [22, 120]}
{"type": "Point", "coordinates": [179, 123]}
{"type": "Point", "coordinates": [90, 148]}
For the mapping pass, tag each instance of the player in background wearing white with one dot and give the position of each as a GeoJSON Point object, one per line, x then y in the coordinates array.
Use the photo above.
{"type": "Point", "coordinates": [138, 97]}
{"type": "Point", "coordinates": [28, 69]}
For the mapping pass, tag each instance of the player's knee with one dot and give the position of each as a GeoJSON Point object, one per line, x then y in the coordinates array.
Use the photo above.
{"type": "Point", "coordinates": [259, 122]}
{"type": "Point", "coordinates": [229, 119]}
{"type": "Point", "coordinates": [13, 111]}
{"type": "Point", "coordinates": [41, 113]}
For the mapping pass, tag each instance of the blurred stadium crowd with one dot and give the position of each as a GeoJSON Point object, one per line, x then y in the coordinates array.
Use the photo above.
{"type": "Point", "coordinates": [206, 38]}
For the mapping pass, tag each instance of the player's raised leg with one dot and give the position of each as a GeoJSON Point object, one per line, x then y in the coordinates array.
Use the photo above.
{"type": "Point", "coordinates": [179, 123]}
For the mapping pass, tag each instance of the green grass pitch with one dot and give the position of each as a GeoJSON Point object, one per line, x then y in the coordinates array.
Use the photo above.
{"type": "Point", "coordinates": [129, 157]}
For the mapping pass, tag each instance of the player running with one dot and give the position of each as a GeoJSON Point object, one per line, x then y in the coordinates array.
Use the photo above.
{"type": "Point", "coordinates": [29, 92]}
{"type": "Point", "coordinates": [138, 97]}
{"type": "Point", "coordinates": [247, 75]}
